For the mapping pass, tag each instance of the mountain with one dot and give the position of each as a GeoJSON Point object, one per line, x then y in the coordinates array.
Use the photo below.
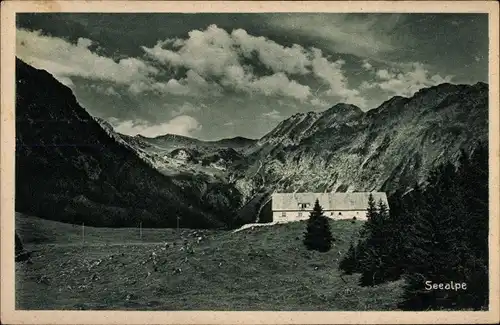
{"type": "Point", "coordinates": [197, 167]}
{"type": "Point", "coordinates": [387, 148]}
{"type": "Point", "coordinates": [72, 167]}
{"type": "Point", "coordinates": [169, 141]}
{"type": "Point", "coordinates": [234, 143]}
{"type": "Point", "coordinates": [179, 155]}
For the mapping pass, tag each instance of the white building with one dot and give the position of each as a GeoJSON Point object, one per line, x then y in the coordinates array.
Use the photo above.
{"type": "Point", "coordinates": [297, 206]}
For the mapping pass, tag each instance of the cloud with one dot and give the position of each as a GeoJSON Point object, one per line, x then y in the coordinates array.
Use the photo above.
{"type": "Point", "coordinates": [279, 84]}
{"type": "Point", "coordinates": [361, 35]}
{"type": "Point", "coordinates": [319, 103]}
{"type": "Point", "coordinates": [111, 92]}
{"type": "Point", "coordinates": [185, 108]}
{"type": "Point", "coordinates": [65, 81]}
{"type": "Point", "coordinates": [64, 59]}
{"type": "Point", "coordinates": [192, 85]}
{"type": "Point", "coordinates": [104, 89]}
{"type": "Point", "coordinates": [230, 59]}
{"type": "Point", "coordinates": [278, 58]}
{"type": "Point", "coordinates": [182, 125]}
{"type": "Point", "coordinates": [384, 74]}
{"type": "Point", "coordinates": [207, 52]}
{"type": "Point", "coordinates": [215, 54]}
{"type": "Point", "coordinates": [274, 114]}
{"type": "Point", "coordinates": [333, 75]}
{"type": "Point", "coordinates": [206, 63]}
{"type": "Point", "coordinates": [366, 65]}
{"type": "Point", "coordinates": [211, 60]}
{"type": "Point", "coordinates": [404, 83]}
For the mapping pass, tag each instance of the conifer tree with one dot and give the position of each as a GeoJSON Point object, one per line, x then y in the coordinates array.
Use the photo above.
{"type": "Point", "coordinates": [443, 246]}
{"type": "Point", "coordinates": [371, 214]}
{"type": "Point", "coordinates": [473, 177]}
{"type": "Point", "coordinates": [349, 264]}
{"type": "Point", "coordinates": [373, 263]}
{"type": "Point", "coordinates": [364, 252]}
{"type": "Point", "coordinates": [437, 232]}
{"type": "Point", "coordinates": [396, 231]}
{"type": "Point", "coordinates": [318, 235]}
{"type": "Point", "coordinates": [372, 207]}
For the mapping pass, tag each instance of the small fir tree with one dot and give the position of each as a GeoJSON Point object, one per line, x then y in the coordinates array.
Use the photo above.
{"type": "Point", "coordinates": [362, 249]}
{"type": "Point", "coordinates": [318, 235]}
{"type": "Point", "coordinates": [372, 207]}
{"type": "Point", "coordinates": [349, 264]}
{"type": "Point", "coordinates": [376, 260]}
{"type": "Point", "coordinates": [371, 215]}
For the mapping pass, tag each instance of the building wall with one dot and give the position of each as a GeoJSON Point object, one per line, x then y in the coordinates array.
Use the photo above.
{"type": "Point", "coordinates": [282, 216]}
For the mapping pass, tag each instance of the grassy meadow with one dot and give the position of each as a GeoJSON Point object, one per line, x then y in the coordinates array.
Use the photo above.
{"type": "Point", "coordinates": [264, 268]}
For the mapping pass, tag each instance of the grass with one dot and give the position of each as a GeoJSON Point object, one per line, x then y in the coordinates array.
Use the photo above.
{"type": "Point", "coordinates": [264, 268]}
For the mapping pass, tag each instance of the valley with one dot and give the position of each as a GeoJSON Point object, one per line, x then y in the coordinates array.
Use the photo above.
{"type": "Point", "coordinates": [227, 183]}
{"type": "Point", "coordinates": [221, 160]}
{"type": "Point", "coordinates": [390, 148]}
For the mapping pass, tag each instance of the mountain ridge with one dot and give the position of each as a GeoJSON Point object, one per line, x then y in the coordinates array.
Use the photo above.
{"type": "Point", "coordinates": [388, 148]}
{"type": "Point", "coordinates": [404, 132]}
{"type": "Point", "coordinates": [342, 107]}
{"type": "Point", "coordinates": [72, 170]}
{"type": "Point", "coordinates": [342, 148]}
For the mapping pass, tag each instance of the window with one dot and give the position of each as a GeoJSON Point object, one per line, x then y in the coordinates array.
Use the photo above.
{"type": "Point", "coordinates": [300, 214]}
{"type": "Point", "coordinates": [340, 213]}
{"type": "Point", "coordinates": [283, 214]}
{"type": "Point", "coordinates": [304, 205]}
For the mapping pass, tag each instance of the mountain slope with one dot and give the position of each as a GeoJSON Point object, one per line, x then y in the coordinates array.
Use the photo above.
{"type": "Point", "coordinates": [68, 168]}
{"type": "Point", "coordinates": [388, 148]}
{"type": "Point", "coordinates": [171, 141]}
{"type": "Point", "coordinates": [265, 268]}
{"type": "Point", "coordinates": [197, 167]}
{"type": "Point", "coordinates": [76, 168]}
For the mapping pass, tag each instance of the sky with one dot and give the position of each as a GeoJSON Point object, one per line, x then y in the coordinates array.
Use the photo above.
{"type": "Point", "coordinates": [214, 75]}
